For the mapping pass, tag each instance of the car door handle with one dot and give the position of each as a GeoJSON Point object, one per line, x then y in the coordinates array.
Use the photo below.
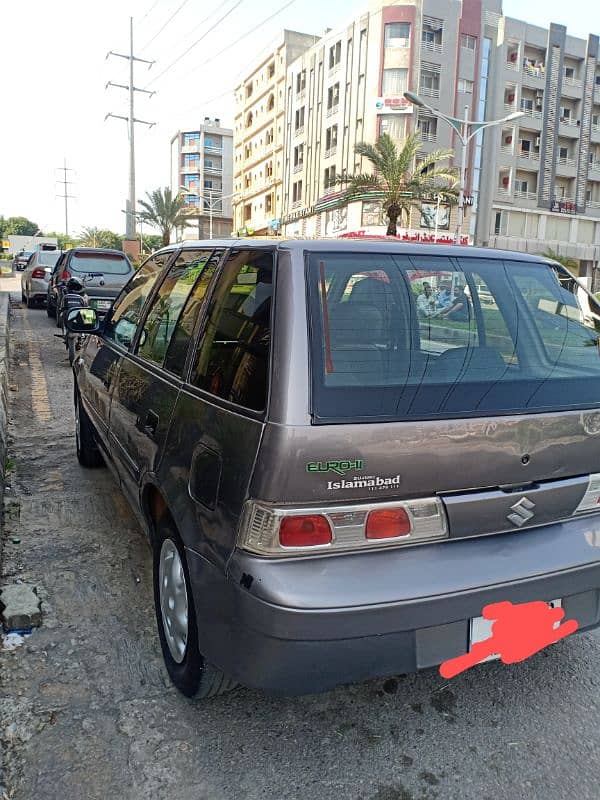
{"type": "Point", "coordinates": [151, 423]}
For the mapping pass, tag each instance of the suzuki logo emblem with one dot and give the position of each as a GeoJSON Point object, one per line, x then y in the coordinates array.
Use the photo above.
{"type": "Point", "coordinates": [522, 512]}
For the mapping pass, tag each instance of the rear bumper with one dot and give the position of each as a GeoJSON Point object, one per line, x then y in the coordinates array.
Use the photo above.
{"type": "Point", "coordinates": [308, 625]}
{"type": "Point", "coordinates": [38, 289]}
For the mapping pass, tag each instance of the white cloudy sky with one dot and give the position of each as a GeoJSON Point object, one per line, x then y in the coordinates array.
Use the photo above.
{"type": "Point", "coordinates": [53, 68]}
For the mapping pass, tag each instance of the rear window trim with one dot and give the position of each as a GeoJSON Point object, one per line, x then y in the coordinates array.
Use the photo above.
{"type": "Point", "coordinates": [316, 360]}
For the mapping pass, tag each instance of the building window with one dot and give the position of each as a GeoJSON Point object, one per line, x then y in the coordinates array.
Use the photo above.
{"type": "Point", "coordinates": [249, 90]}
{"type": "Point", "coordinates": [465, 86]}
{"type": "Point", "coordinates": [249, 119]}
{"type": "Point", "coordinates": [269, 137]}
{"type": "Point", "coordinates": [271, 102]}
{"type": "Point", "coordinates": [394, 125]}
{"type": "Point", "coordinates": [299, 119]}
{"type": "Point", "coordinates": [335, 55]}
{"type": "Point", "coordinates": [208, 184]}
{"type": "Point", "coordinates": [297, 192]}
{"type": "Point", "coordinates": [565, 114]}
{"type": "Point", "coordinates": [301, 81]}
{"type": "Point", "coordinates": [333, 96]}
{"type": "Point", "coordinates": [331, 137]}
{"type": "Point", "coordinates": [191, 139]}
{"type": "Point", "coordinates": [597, 80]}
{"type": "Point", "coordinates": [430, 80]}
{"type": "Point", "coordinates": [521, 186]}
{"type": "Point", "coordinates": [191, 160]}
{"type": "Point", "coordinates": [329, 177]}
{"type": "Point", "coordinates": [299, 155]}
{"type": "Point", "coordinates": [271, 69]}
{"type": "Point", "coordinates": [397, 34]}
{"type": "Point", "coordinates": [269, 203]}
{"type": "Point", "coordinates": [247, 212]}
{"type": "Point", "coordinates": [269, 170]}
{"type": "Point", "coordinates": [500, 223]}
{"type": "Point", "coordinates": [569, 72]}
{"type": "Point", "coordinates": [468, 42]}
{"type": "Point", "coordinates": [394, 82]}
{"type": "Point", "coordinates": [427, 127]}
{"type": "Point", "coordinates": [431, 35]}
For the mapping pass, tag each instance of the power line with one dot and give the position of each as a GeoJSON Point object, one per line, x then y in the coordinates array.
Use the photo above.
{"type": "Point", "coordinates": [149, 11]}
{"type": "Point", "coordinates": [160, 30]}
{"type": "Point", "coordinates": [204, 35]}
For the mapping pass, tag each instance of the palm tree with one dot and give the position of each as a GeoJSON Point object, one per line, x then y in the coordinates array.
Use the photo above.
{"type": "Point", "coordinates": [89, 237]}
{"type": "Point", "coordinates": [163, 211]}
{"type": "Point", "coordinates": [402, 183]}
{"type": "Point", "coordinates": [569, 263]}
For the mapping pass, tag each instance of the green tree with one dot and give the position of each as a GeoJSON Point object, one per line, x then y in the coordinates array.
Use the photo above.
{"type": "Point", "coordinates": [402, 183]}
{"type": "Point", "coordinates": [164, 212]}
{"type": "Point", "coordinates": [19, 226]}
{"type": "Point", "coordinates": [100, 237]}
{"type": "Point", "coordinates": [570, 263]}
{"type": "Point", "coordinates": [151, 242]}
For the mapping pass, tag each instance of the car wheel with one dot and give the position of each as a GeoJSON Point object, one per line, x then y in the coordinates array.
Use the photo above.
{"type": "Point", "coordinates": [23, 298]}
{"type": "Point", "coordinates": [88, 453]}
{"type": "Point", "coordinates": [30, 302]}
{"type": "Point", "coordinates": [72, 349]}
{"type": "Point", "coordinates": [191, 673]}
{"type": "Point", "coordinates": [50, 310]}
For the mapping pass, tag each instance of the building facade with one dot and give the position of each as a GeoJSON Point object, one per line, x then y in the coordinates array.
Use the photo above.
{"type": "Point", "coordinates": [202, 168]}
{"type": "Point", "coordinates": [259, 138]}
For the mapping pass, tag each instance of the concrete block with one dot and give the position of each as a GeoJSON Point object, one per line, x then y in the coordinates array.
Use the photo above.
{"type": "Point", "coordinates": [20, 607]}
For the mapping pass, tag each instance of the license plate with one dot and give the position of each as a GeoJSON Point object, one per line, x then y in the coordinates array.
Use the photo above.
{"type": "Point", "coordinates": [481, 629]}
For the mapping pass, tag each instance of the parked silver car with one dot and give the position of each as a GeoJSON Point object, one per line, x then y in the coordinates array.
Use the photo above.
{"type": "Point", "coordinates": [36, 276]}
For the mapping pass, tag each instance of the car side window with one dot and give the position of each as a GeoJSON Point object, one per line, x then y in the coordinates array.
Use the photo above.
{"type": "Point", "coordinates": [178, 347]}
{"type": "Point", "coordinates": [163, 315]}
{"type": "Point", "coordinates": [232, 360]}
{"type": "Point", "coordinates": [122, 322]}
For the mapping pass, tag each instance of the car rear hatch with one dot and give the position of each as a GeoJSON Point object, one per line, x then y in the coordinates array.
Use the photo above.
{"type": "Point", "coordinates": [477, 417]}
{"type": "Point", "coordinates": [111, 270]}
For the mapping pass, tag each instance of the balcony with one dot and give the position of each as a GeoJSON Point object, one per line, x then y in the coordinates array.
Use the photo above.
{"type": "Point", "coordinates": [513, 66]}
{"type": "Point", "coordinates": [333, 110]}
{"type": "Point", "coordinates": [427, 92]}
{"type": "Point", "coordinates": [213, 170]}
{"type": "Point", "coordinates": [510, 107]}
{"type": "Point", "coordinates": [592, 203]}
{"type": "Point", "coordinates": [299, 131]}
{"type": "Point", "coordinates": [191, 169]}
{"type": "Point", "coordinates": [331, 152]}
{"type": "Point", "coordinates": [211, 148]}
{"type": "Point", "coordinates": [535, 70]}
{"type": "Point", "coordinates": [521, 195]}
{"type": "Point", "coordinates": [503, 193]}
{"type": "Point", "coordinates": [565, 161]}
{"type": "Point", "coordinates": [569, 126]}
{"type": "Point", "coordinates": [594, 166]}
{"type": "Point", "coordinates": [432, 47]}
{"type": "Point", "coordinates": [529, 155]}
{"type": "Point", "coordinates": [596, 132]}
{"type": "Point", "coordinates": [298, 167]}
{"type": "Point", "coordinates": [427, 136]}
{"type": "Point", "coordinates": [296, 203]}
{"type": "Point", "coordinates": [191, 148]}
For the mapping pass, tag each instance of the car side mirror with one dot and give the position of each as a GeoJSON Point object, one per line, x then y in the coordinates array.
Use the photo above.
{"type": "Point", "coordinates": [82, 320]}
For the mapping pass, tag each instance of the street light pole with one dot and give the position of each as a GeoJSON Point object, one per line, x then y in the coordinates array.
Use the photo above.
{"type": "Point", "coordinates": [210, 214]}
{"type": "Point", "coordinates": [461, 128]}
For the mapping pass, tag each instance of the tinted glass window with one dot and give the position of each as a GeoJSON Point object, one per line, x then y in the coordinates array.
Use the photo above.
{"type": "Point", "coordinates": [48, 259]}
{"type": "Point", "coordinates": [233, 357]}
{"type": "Point", "coordinates": [412, 337]}
{"type": "Point", "coordinates": [111, 264]}
{"type": "Point", "coordinates": [177, 352]}
{"type": "Point", "coordinates": [168, 302]}
{"type": "Point", "coordinates": [127, 309]}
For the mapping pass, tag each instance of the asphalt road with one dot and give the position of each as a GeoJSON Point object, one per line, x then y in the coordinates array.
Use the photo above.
{"type": "Point", "coordinates": [87, 710]}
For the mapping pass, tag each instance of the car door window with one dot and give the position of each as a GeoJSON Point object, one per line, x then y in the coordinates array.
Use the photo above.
{"type": "Point", "coordinates": [184, 329]}
{"type": "Point", "coordinates": [163, 315]}
{"type": "Point", "coordinates": [233, 356]}
{"type": "Point", "coordinates": [127, 310]}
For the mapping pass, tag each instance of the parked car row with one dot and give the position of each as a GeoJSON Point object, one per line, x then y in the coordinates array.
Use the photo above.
{"type": "Point", "coordinates": [334, 486]}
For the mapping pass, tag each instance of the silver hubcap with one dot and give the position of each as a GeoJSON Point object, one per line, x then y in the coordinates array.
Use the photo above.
{"type": "Point", "coordinates": [173, 600]}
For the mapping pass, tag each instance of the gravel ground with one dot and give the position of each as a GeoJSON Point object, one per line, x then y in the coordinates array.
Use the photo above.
{"type": "Point", "coordinates": [87, 711]}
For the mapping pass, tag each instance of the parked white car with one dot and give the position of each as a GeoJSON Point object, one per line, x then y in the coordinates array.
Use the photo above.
{"type": "Point", "coordinates": [36, 276]}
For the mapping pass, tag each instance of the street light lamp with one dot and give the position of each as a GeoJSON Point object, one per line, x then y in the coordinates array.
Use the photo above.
{"type": "Point", "coordinates": [466, 130]}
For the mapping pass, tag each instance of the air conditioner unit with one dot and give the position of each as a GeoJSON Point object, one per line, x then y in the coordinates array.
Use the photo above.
{"type": "Point", "coordinates": [505, 181]}
{"type": "Point", "coordinates": [513, 56]}
{"type": "Point", "coordinates": [511, 98]}
{"type": "Point", "coordinates": [508, 139]}
{"type": "Point", "coordinates": [538, 141]}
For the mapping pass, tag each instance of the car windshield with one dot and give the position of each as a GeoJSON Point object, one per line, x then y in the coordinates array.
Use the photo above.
{"type": "Point", "coordinates": [418, 337]}
{"type": "Point", "coordinates": [107, 263]}
{"type": "Point", "coordinates": [48, 259]}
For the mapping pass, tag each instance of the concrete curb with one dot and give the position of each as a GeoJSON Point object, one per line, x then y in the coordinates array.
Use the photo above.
{"type": "Point", "coordinates": [4, 365]}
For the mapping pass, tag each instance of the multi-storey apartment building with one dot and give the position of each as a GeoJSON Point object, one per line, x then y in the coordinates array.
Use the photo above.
{"type": "Point", "coordinates": [202, 168]}
{"type": "Point", "coordinates": [259, 131]}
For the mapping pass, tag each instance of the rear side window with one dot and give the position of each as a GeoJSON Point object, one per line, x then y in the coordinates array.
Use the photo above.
{"type": "Point", "coordinates": [127, 309]}
{"type": "Point", "coordinates": [401, 337]}
{"type": "Point", "coordinates": [232, 361]}
{"type": "Point", "coordinates": [107, 263]}
{"type": "Point", "coordinates": [48, 259]}
{"type": "Point", "coordinates": [167, 304]}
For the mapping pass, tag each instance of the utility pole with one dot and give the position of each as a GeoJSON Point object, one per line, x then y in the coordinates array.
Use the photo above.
{"type": "Point", "coordinates": [131, 242]}
{"type": "Point", "coordinates": [65, 195]}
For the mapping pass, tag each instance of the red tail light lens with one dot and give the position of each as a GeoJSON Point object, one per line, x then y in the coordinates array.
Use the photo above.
{"type": "Point", "coordinates": [304, 531]}
{"type": "Point", "coordinates": [65, 275]}
{"type": "Point", "coordinates": [38, 273]}
{"type": "Point", "coordinates": [389, 523]}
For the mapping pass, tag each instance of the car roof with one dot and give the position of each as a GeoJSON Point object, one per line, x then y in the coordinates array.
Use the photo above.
{"type": "Point", "coordinates": [362, 244]}
{"type": "Point", "coordinates": [99, 250]}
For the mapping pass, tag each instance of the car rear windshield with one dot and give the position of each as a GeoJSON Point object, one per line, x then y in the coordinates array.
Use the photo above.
{"type": "Point", "coordinates": [107, 263]}
{"type": "Point", "coordinates": [48, 258]}
{"type": "Point", "coordinates": [416, 337]}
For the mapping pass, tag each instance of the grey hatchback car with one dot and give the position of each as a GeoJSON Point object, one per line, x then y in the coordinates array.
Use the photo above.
{"type": "Point", "coordinates": [343, 451]}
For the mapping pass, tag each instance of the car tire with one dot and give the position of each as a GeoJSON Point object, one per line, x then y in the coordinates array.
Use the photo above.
{"type": "Point", "coordinates": [23, 298]}
{"type": "Point", "coordinates": [30, 302]}
{"type": "Point", "coordinates": [191, 673]}
{"type": "Point", "coordinates": [50, 310]}
{"type": "Point", "coordinates": [72, 349]}
{"type": "Point", "coordinates": [88, 453]}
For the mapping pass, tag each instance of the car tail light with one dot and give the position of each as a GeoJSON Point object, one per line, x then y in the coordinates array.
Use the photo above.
{"type": "Point", "coordinates": [38, 273]}
{"type": "Point", "coordinates": [591, 499]}
{"type": "Point", "coordinates": [65, 275]}
{"type": "Point", "coordinates": [304, 531]}
{"type": "Point", "coordinates": [390, 523]}
{"type": "Point", "coordinates": [270, 531]}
